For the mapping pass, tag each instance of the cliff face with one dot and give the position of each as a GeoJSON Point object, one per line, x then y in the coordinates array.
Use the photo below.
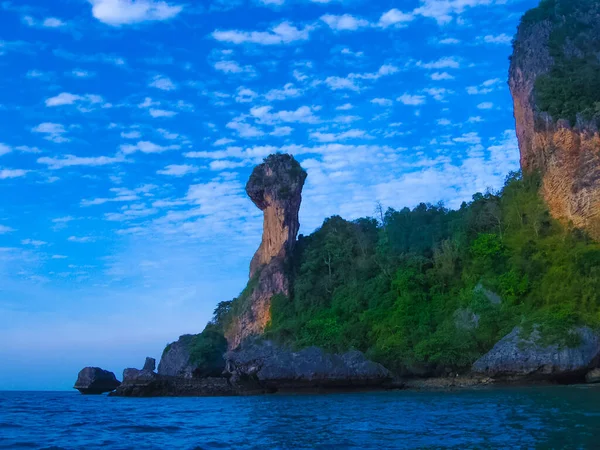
{"type": "Point", "coordinates": [275, 187]}
{"type": "Point", "coordinates": [553, 68]}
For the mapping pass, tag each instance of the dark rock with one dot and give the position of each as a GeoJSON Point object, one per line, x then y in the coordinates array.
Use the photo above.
{"type": "Point", "coordinates": [262, 365]}
{"type": "Point", "coordinates": [95, 381]}
{"type": "Point", "coordinates": [517, 355]}
{"type": "Point", "coordinates": [593, 376]}
{"type": "Point", "coordinates": [150, 364]}
{"type": "Point", "coordinates": [162, 386]}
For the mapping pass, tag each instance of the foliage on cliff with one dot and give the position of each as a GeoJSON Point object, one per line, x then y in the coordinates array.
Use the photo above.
{"type": "Point", "coordinates": [431, 287]}
{"type": "Point", "coordinates": [572, 87]}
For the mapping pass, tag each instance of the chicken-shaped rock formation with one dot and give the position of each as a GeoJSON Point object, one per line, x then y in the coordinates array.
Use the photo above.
{"type": "Point", "coordinates": [555, 83]}
{"type": "Point", "coordinates": [275, 187]}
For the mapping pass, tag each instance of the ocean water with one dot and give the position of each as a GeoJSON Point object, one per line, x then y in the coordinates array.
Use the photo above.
{"type": "Point", "coordinates": [534, 417]}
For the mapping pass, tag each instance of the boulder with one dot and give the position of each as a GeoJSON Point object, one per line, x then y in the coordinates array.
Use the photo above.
{"type": "Point", "coordinates": [95, 381]}
{"type": "Point", "coordinates": [263, 365]}
{"type": "Point", "coordinates": [519, 355]}
{"type": "Point", "coordinates": [593, 376]}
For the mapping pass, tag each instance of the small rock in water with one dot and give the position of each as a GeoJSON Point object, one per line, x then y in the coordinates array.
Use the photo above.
{"type": "Point", "coordinates": [95, 381]}
{"type": "Point", "coordinates": [593, 376]}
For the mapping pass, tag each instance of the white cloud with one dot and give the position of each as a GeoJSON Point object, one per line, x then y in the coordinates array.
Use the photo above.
{"type": "Point", "coordinates": [54, 132]}
{"type": "Point", "coordinates": [439, 76]}
{"type": "Point", "coordinates": [485, 105]}
{"type": "Point", "coordinates": [411, 100]}
{"type": "Point", "coordinates": [395, 17]}
{"type": "Point", "coordinates": [4, 229]}
{"type": "Point", "coordinates": [147, 147]}
{"type": "Point", "coordinates": [484, 88]}
{"type": "Point", "coordinates": [447, 62]}
{"type": "Point", "coordinates": [232, 67]}
{"type": "Point", "coordinates": [345, 22]}
{"type": "Point", "coordinates": [125, 12]}
{"type": "Point", "coordinates": [80, 239]}
{"type": "Point", "coordinates": [444, 11]}
{"type": "Point", "coordinates": [339, 83]}
{"type": "Point", "coordinates": [156, 113]}
{"type": "Point", "coordinates": [475, 119]}
{"type": "Point", "coordinates": [449, 41]}
{"type": "Point", "coordinates": [33, 242]}
{"type": "Point", "coordinates": [12, 173]}
{"type": "Point", "coordinates": [244, 129]}
{"type": "Point", "coordinates": [345, 107]}
{"type": "Point", "coordinates": [502, 39]}
{"type": "Point", "coordinates": [72, 161]}
{"type": "Point", "coordinates": [382, 101]}
{"type": "Point", "coordinates": [49, 22]}
{"type": "Point", "coordinates": [53, 22]}
{"type": "Point", "coordinates": [131, 134]}
{"type": "Point", "coordinates": [333, 137]}
{"type": "Point", "coordinates": [178, 170]}
{"type": "Point", "coordinates": [245, 95]}
{"type": "Point", "coordinates": [223, 141]}
{"type": "Point", "coordinates": [288, 91]}
{"type": "Point", "coordinates": [79, 73]}
{"type": "Point", "coordinates": [163, 83]}
{"type": "Point", "coordinates": [303, 114]}
{"type": "Point", "coordinates": [65, 98]}
{"type": "Point", "coordinates": [284, 33]}
{"type": "Point", "coordinates": [438, 93]}
{"type": "Point", "coordinates": [281, 131]}
{"type": "Point", "coordinates": [4, 149]}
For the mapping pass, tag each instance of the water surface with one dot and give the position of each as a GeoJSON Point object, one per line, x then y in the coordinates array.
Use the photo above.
{"type": "Point", "coordinates": [535, 417]}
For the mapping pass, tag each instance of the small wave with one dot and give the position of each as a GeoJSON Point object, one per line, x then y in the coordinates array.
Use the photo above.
{"type": "Point", "coordinates": [145, 428]}
{"type": "Point", "coordinates": [5, 425]}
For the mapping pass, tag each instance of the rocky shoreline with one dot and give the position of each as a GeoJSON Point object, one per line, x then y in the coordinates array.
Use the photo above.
{"type": "Point", "coordinates": [262, 367]}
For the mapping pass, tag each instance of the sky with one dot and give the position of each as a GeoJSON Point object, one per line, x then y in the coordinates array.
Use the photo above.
{"type": "Point", "coordinates": [129, 129]}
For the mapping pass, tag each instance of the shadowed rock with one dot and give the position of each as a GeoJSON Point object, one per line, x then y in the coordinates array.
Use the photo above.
{"type": "Point", "coordinates": [150, 364]}
{"type": "Point", "coordinates": [518, 355]}
{"type": "Point", "coordinates": [263, 365]}
{"type": "Point", "coordinates": [95, 381]}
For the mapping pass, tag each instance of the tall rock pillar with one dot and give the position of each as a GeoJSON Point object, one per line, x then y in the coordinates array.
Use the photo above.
{"type": "Point", "coordinates": [275, 187]}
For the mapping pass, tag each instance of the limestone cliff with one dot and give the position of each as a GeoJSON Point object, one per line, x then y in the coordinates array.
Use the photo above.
{"type": "Point", "coordinates": [554, 80]}
{"type": "Point", "coordinates": [275, 187]}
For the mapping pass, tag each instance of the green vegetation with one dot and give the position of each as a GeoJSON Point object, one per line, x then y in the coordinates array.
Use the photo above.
{"type": "Point", "coordinates": [572, 87]}
{"type": "Point", "coordinates": [433, 289]}
{"type": "Point", "coordinates": [206, 350]}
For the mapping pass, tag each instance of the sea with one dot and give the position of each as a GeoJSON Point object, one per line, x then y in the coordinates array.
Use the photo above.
{"type": "Point", "coordinates": [557, 417]}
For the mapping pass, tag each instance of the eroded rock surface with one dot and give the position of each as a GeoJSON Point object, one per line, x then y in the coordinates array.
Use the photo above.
{"type": "Point", "coordinates": [263, 365]}
{"type": "Point", "coordinates": [275, 187]}
{"type": "Point", "coordinates": [567, 155]}
{"type": "Point", "coordinates": [521, 355]}
{"type": "Point", "coordinates": [95, 381]}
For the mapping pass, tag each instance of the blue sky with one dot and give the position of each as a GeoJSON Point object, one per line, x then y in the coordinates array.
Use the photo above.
{"type": "Point", "coordinates": [130, 127]}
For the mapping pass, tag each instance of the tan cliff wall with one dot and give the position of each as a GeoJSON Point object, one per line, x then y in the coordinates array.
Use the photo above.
{"type": "Point", "coordinates": [567, 157]}
{"type": "Point", "coordinates": [275, 187]}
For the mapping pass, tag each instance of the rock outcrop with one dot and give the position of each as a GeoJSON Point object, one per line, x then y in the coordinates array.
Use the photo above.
{"type": "Point", "coordinates": [95, 381]}
{"type": "Point", "coordinates": [275, 187]}
{"type": "Point", "coordinates": [147, 383]}
{"type": "Point", "coordinates": [565, 153]}
{"type": "Point", "coordinates": [259, 365]}
{"type": "Point", "coordinates": [526, 357]}
{"type": "Point", "coordinates": [194, 356]}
